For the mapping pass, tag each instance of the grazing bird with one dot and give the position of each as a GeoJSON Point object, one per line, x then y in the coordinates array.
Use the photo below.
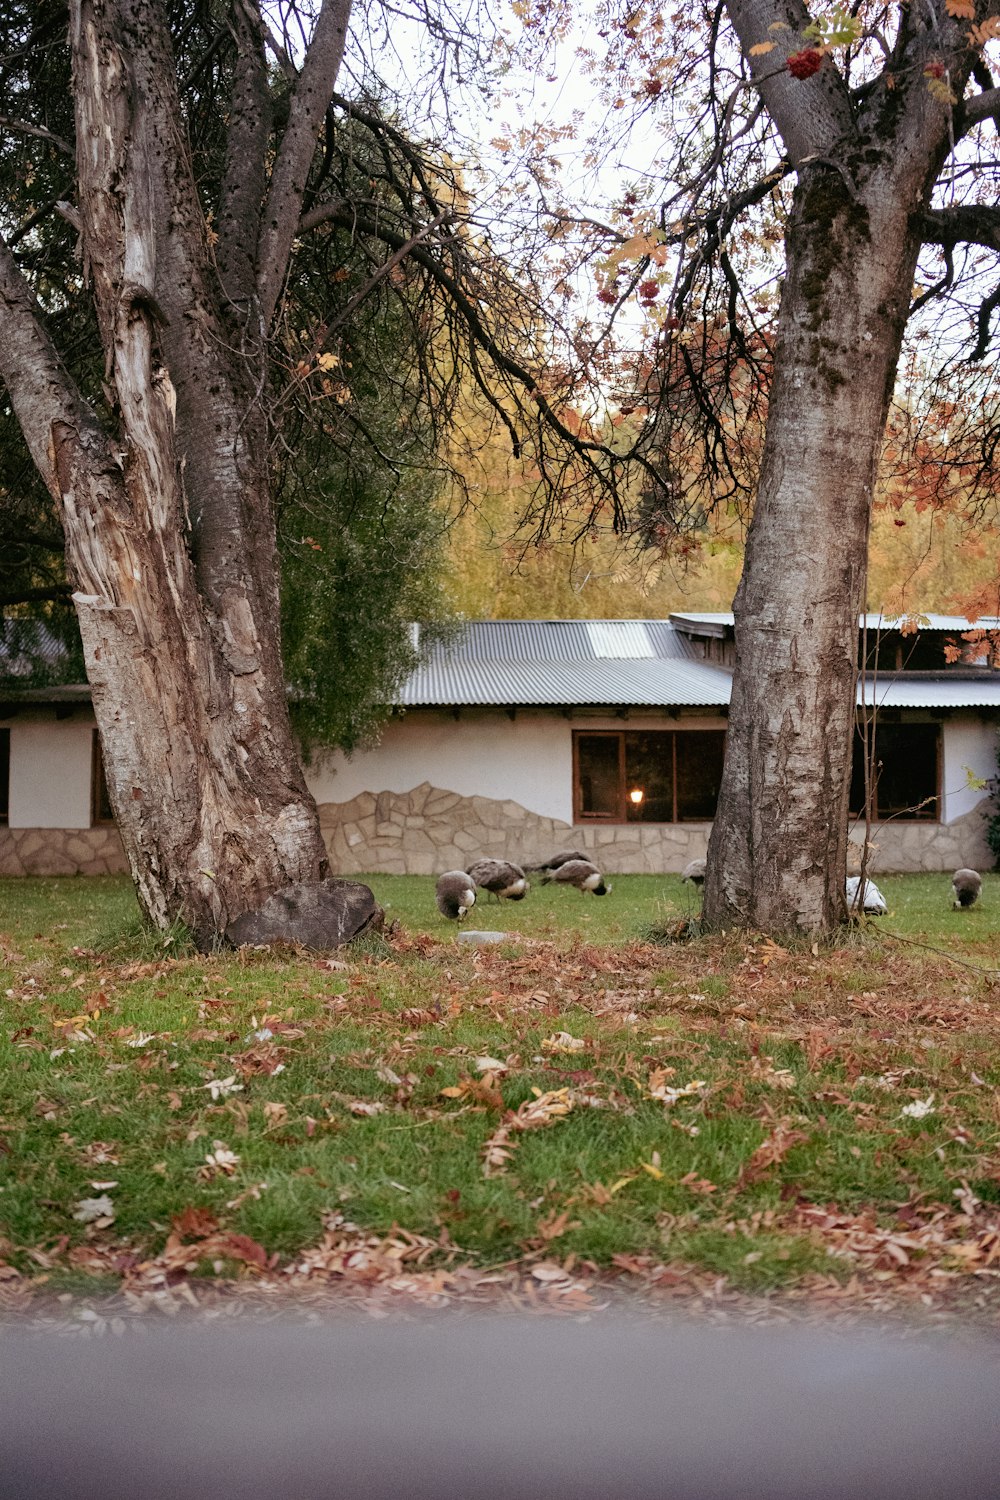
{"type": "Point", "coordinates": [694, 871]}
{"type": "Point", "coordinates": [455, 894]}
{"type": "Point", "coordinates": [561, 859]}
{"type": "Point", "coordinates": [500, 878]}
{"type": "Point", "coordinates": [581, 873]}
{"type": "Point", "coordinates": [967, 885]}
{"type": "Point", "coordinates": [871, 901]}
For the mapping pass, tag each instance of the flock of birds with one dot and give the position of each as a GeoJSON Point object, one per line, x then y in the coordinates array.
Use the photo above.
{"type": "Point", "coordinates": [504, 881]}
{"type": "Point", "coordinates": [966, 887]}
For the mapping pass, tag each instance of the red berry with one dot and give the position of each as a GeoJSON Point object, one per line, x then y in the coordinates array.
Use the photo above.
{"type": "Point", "coordinates": [805, 63]}
{"type": "Point", "coordinates": [649, 290]}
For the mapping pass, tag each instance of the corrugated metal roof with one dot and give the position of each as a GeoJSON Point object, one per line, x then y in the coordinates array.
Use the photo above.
{"type": "Point", "coordinates": [652, 683]}
{"type": "Point", "coordinates": [567, 663]}
{"type": "Point", "coordinates": [932, 690]}
{"type": "Point", "coordinates": [565, 640]}
{"type": "Point", "coordinates": [710, 618]}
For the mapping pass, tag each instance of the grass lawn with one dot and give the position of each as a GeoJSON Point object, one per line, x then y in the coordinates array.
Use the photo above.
{"type": "Point", "coordinates": [420, 1118]}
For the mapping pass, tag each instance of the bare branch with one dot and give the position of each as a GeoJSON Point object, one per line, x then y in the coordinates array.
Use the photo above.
{"type": "Point", "coordinates": [971, 224]}
{"type": "Point", "coordinates": [23, 128]}
{"type": "Point", "coordinates": [243, 184]}
{"type": "Point", "coordinates": [288, 180]}
{"type": "Point", "coordinates": [980, 107]}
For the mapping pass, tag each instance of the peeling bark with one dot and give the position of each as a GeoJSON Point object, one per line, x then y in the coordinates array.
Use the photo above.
{"type": "Point", "coordinates": [168, 515]}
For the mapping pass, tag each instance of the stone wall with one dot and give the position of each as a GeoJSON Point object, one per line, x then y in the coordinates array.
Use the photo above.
{"type": "Point", "coordinates": [61, 851]}
{"type": "Point", "coordinates": [427, 830]}
{"type": "Point", "coordinates": [906, 848]}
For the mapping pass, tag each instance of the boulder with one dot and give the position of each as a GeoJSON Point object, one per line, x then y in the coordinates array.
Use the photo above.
{"type": "Point", "coordinates": [320, 915]}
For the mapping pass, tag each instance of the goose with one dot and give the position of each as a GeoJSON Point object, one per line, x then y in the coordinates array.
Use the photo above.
{"type": "Point", "coordinates": [499, 877]}
{"type": "Point", "coordinates": [581, 873]}
{"type": "Point", "coordinates": [966, 885]}
{"type": "Point", "coordinates": [871, 901]}
{"type": "Point", "coordinates": [694, 871]}
{"type": "Point", "coordinates": [455, 894]}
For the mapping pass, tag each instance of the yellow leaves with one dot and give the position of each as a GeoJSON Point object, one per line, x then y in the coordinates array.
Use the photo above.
{"type": "Point", "coordinates": [645, 244]}
{"type": "Point", "coordinates": [762, 48]}
{"type": "Point", "coordinates": [328, 362]}
{"type": "Point", "coordinates": [659, 1089]}
{"type": "Point", "coordinates": [563, 1042]}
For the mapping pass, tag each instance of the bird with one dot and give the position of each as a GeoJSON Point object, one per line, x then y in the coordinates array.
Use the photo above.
{"type": "Point", "coordinates": [561, 859]}
{"type": "Point", "coordinates": [579, 872]}
{"type": "Point", "coordinates": [500, 878]}
{"type": "Point", "coordinates": [871, 901]}
{"type": "Point", "coordinates": [694, 871]}
{"type": "Point", "coordinates": [455, 894]}
{"type": "Point", "coordinates": [966, 885]}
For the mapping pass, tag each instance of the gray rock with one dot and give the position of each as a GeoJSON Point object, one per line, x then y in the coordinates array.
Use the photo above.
{"type": "Point", "coordinates": [325, 914]}
{"type": "Point", "coordinates": [468, 936]}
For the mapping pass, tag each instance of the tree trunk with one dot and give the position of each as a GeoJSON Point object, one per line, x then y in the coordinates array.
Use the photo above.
{"type": "Point", "coordinates": [165, 496]}
{"type": "Point", "coordinates": [176, 569]}
{"type": "Point", "coordinates": [777, 854]}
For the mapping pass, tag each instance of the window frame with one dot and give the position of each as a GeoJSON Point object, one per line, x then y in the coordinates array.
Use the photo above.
{"type": "Point", "coordinates": [921, 819]}
{"type": "Point", "coordinates": [620, 818]}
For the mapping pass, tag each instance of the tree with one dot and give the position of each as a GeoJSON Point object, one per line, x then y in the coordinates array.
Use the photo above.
{"type": "Point", "coordinates": [867, 160]}
{"type": "Point", "coordinates": [162, 464]}
{"type": "Point", "coordinates": [808, 164]}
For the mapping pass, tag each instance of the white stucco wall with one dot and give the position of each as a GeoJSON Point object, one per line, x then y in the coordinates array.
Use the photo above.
{"type": "Point", "coordinates": [50, 765]}
{"type": "Point", "coordinates": [969, 744]}
{"type": "Point", "coordinates": [527, 759]}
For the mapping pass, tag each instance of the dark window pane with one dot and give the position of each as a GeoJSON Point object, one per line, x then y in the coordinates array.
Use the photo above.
{"type": "Point", "coordinates": [100, 802]}
{"type": "Point", "coordinates": [4, 775]}
{"type": "Point", "coordinates": [649, 769]}
{"type": "Point", "coordinates": [906, 772]}
{"type": "Point", "coordinates": [700, 754]}
{"type": "Point", "coordinates": [597, 766]}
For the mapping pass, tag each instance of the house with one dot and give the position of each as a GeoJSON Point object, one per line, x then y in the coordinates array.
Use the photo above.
{"type": "Point", "coordinates": [523, 736]}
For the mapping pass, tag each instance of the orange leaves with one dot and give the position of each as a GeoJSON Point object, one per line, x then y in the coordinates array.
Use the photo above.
{"type": "Point", "coordinates": [534, 1114]}
{"type": "Point", "coordinates": [961, 10]}
{"type": "Point", "coordinates": [772, 1150]}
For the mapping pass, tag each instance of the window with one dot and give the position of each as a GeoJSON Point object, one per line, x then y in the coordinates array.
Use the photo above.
{"type": "Point", "coordinates": [100, 802]}
{"type": "Point", "coordinates": [647, 776]}
{"type": "Point", "coordinates": [907, 777]}
{"type": "Point", "coordinates": [4, 776]}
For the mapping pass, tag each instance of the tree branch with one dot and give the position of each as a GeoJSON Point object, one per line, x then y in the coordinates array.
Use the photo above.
{"type": "Point", "coordinates": [812, 115]}
{"type": "Point", "coordinates": [58, 593]}
{"type": "Point", "coordinates": [23, 128]}
{"type": "Point", "coordinates": [310, 98]}
{"type": "Point", "coordinates": [983, 106]}
{"type": "Point", "coordinates": [243, 183]}
{"type": "Point", "coordinates": [40, 387]}
{"type": "Point", "coordinates": [971, 224]}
